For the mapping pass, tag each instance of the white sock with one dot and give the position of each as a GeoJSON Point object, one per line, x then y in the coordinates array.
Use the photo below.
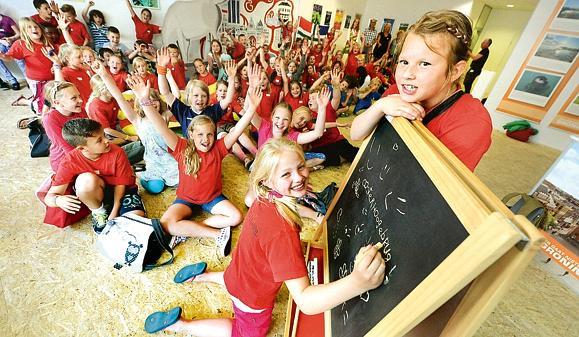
{"type": "Point", "coordinates": [101, 209]}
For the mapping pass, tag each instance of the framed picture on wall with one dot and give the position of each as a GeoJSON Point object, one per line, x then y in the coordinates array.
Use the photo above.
{"type": "Point", "coordinates": [403, 27]}
{"type": "Point", "coordinates": [556, 52]}
{"type": "Point", "coordinates": [568, 17]}
{"type": "Point", "coordinates": [328, 18]}
{"type": "Point", "coordinates": [152, 4]}
{"type": "Point", "coordinates": [338, 19]}
{"type": "Point", "coordinates": [535, 87]}
{"type": "Point", "coordinates": [568, 117]}
{"type": "Point", "coordinates": [347, 23]}
{"type": "Point", "coordinates": [390, 21]}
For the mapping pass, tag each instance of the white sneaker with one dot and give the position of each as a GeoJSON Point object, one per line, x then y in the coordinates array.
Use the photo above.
{"type": "Point", "coordinates": [176, 240]}
{"type": "Point", "coordinates": [223, 241]}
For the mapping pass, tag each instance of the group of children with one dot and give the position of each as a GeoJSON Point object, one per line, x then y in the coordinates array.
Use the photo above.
{"type": "Point", "coordinates": [80, 92]}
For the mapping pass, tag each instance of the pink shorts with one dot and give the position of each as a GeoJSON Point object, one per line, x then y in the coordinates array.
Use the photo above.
{"type": "Point", "coordinates": [246, 324]}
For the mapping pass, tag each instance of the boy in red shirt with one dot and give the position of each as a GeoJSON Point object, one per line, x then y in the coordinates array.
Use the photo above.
{"type": "Point", "coordinates": [76, 29]}
{"type": "Point", "coordinates": [116, 69]}
{"type": "Point", "coordinates": [103, 178]}
{"type": "Point", "coordinates": [143, 29]}
{"type": "Point", "coordinates": [44, 16]}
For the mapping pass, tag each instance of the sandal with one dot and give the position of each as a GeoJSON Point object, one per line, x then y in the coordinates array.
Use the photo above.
{"type": "Point", "coordinates": [190, 272]}
{"type": "Point", "coordinates": [18, 102]}
{"type": "Point", "coordinates": [24, 122]}
{"type": "Point", "coordinates": [160, 320]}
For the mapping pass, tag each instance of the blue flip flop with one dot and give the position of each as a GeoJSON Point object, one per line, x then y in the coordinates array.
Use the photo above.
{"type": "Point", "coordinates": [190, 271]}
{"type": "Point", "coordinates": [160, 320]}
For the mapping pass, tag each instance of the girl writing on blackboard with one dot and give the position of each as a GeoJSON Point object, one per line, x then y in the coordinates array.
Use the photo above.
{"type": "Point", "coordinates": [432, 60]}
{"type": "Point", "coordinates": [268, 254]}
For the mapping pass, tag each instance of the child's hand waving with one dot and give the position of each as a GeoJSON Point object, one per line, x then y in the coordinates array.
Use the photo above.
{"type": "Point", "coordinates": [254, 96]}
{"type": "Point", "coordinates": [254, 75]}
{"type": "Point", "coordinates": [98, 67]}
{"type": "Point", "coordinates": [230, 68]}
{"type": "Point", "coordinates": [163, 57]}
{"type": "Point", "coordinates": [51, 55]}
{"type": "Point", "coordinates": [336, 76]}
{"type": "Point", "coordinates": [62, 23]}
{"type": "Point", "coordinates": [139, 87]}
{"type": "Point", "coordinates": [323, 97]}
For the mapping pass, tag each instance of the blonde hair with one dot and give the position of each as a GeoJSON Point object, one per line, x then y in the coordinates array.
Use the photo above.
{"type": "Point", "coordinates": [454, 26]}
{"type": "Point", "coordinates": [264, 168]}
{"type": "Point", "coordinates": [22, 23]}
{"type": "Point", "coordinates": [301, 111]}
{"type": "Point", "coordinates": [98, 88]}
{"type": "Point", "coordinates": [141, 60]}
{"type": "Point", "coordinates": [195, 84]}
{"type": "Point", "coordinates": [191, 157]}
{"type": "Point", "coordinates": [155, 96]}
{"type": "Point", "coordinates": [88, 49]}
{"type": "Point", "coordinates": [53, 88]}
{"type": "Point", "coordinates": [64, 52]}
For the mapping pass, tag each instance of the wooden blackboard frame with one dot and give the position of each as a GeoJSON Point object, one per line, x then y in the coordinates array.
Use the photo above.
{"type": "Point", "coordinates": [493, 234]}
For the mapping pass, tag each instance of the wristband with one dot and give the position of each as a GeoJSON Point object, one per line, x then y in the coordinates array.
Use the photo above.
{"type": "Point", "coordinates": [161, 70]}
{"type": "Point", "coordinates": [146, 102]}
{"type": "Point", "coordinates": [56, 66]}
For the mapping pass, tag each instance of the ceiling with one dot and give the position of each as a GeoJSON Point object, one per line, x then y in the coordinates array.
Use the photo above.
{"type": "Point", "coordinates": [525, 5]}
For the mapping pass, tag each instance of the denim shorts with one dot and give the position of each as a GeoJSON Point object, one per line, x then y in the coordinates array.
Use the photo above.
{"type": "Point", "coordinates": [314, 155]}
{"type": "Point", "coordinates": [207, 207]}
{"type": "Point", "coordinates": [131, 200]}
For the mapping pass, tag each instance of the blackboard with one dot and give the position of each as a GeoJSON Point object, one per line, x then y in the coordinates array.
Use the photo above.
{"type": "Point", "coordinates": [388, 198]}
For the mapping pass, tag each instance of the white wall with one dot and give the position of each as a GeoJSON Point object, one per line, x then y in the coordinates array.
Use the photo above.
{"type": "Point", "coordinates": [505, 27]}
{"type": "Point", "coordinates": [115, 11]}
{"type": "Point", "coordinates": [548, 136]}
{"type": "Point", "coordinates": [408, 11]}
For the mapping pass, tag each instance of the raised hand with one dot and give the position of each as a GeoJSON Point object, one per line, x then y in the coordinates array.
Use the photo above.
{"type": "Point", "coordinates": [139, 87]}
{"type": "Point", "coordinates": [323, 97]}
{"type": "Point", "coordinates": [163, 57]}
{"type": "Point", "coordinates": [53, 7]}
{"type": "Point", "coordinates": [230, 68]}
{"type": "Point", "coordinates": [51, 55]}
{"type": "Point", "coordinates": [62, 23]}
{"type": "Point", "coordinates": [336, 77]}
{"type": "Point", "coordinates": [91, 3]}
{"type": "Point", "coordinates": [254, 96]}
{"type": "Point", "coordinates": [254, 76]}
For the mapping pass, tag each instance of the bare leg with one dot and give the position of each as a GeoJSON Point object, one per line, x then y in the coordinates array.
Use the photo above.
{"type": "Point", "coordinates": [215, 327]}
{"type": "Point", "coordinates": [238, 152]}
{"type": "Point", "coordinates": [90, 189]}
{"type": "Point", "coordinates": [174, 223]}
{"type": "Point", "coordinates": [248, 143]}
{"type": "Point", "coordinates": [225, 214]}
{"type": "Point", "coordinates": [212, 276]}
{"type": "Point", "coordinates": [314, 162]}
{"type": "Point", "coordinates": [249, 198]}
{"type": "Point", "coordinates": [309, 213]}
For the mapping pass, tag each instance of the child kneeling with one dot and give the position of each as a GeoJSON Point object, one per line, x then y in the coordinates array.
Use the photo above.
{"type": "Point", "coordinates": [101, 173]}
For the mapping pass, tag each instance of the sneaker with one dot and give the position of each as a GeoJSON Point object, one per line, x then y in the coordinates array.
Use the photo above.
{"type": "Point", "coordinates": [176, 240]}
{"type": "Point", "coordinates": [223, 241]}
{"type": "Point", "coordinates": [99, 221]}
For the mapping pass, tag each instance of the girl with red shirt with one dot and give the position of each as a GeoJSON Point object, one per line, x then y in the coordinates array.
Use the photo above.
{"type": "Point", "coordinates": [75, 72]}
{"type": "Point", "coordinates": [199, 160]}
{"type": "Point", "coordinates": [269, 254]}
{"type": "Point", "coordinates": [38, 66]}
{"type": "Point", "coordinates": [433, 56]}
{"type": "Point", "coordinates": [141, 69]}
{"type": "Point", "coordinates": [202, 73]}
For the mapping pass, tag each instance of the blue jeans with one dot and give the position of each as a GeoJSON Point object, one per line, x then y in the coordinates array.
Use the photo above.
{"type": "Point", "coordinates": [5, 74]}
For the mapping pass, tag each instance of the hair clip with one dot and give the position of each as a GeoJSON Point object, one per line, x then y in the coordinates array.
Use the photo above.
{"type": "Point", "coordinates": [454, 31]}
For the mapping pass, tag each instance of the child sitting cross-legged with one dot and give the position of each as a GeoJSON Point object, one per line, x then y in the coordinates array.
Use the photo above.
{"type": "Point", "coordinates": [100, 171]}
{"type": "Point", "coordinates": [269, 254]}
{"type": "Point", "coordinates": [199, 160]}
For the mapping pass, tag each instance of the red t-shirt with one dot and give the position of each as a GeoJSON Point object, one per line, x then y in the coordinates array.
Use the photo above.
{"type": "Point", "coordinates": [206, 186]}
{"type": "Point", "coordinates": [268, 102]}
{"type": "Point", "coordinates": [38, 66]}
{"type": "Point", "coordinates": [81, 80]}
{"type": "Point", "coordinates": [268, 253]}
{"type": "Point", "coordinates": [103, 112]}
{"type": "Point", "coordinates": [309, 79]}
{"type": "Point", "coordinates": [53, 121]}
{"type": "Point", "coordinates": [331, 135]}
{"type": "Point", "coordinates": [145, 31]}
{"type": "Point", "coordinates": [207, 78]}
{"type": "Point", "coordinates": [120, 79]}
{"type": "Point", "coordinates": [178, 72]}
{"type": "Point", "coordinates": [52, 22]}
{"type": "Point", "coordinates": [78, 32]}
{"type": "Point", "coordinates": [351, 64]}
{"type": "Point", "coordinates": [238, 52]}
{"type": "Point", "coordinates": [244, 88]}
{"type": "Point", "coordinates": [113, 167]}
{"type": "Point", "coordinates": [465, 128]}
{"type": "Point", "coordinates": [297, 102]}
{"type": "Point", "coordinates": [277, 80]}
{"type": "Point", "coordinates": [152, 80]}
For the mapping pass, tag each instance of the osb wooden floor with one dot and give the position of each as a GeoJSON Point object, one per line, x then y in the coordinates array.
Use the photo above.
{"type": "Point", "coordinates": [53, 282]}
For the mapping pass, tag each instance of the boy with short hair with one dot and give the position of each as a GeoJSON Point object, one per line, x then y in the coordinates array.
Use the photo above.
{"type": "Point", "coordinates": [44, 16]}
{"type": "Point", "coordinates": [114, 36]}
{"type": "Point", "coordinates": [144, 30]}
{"type": "Point", "coordinates": [102, 175]}
{"type": "Point", "coordinates": [76, 29]}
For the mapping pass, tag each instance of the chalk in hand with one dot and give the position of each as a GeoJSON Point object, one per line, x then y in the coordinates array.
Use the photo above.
{"type": "Point", "coordinates": [377, 246]}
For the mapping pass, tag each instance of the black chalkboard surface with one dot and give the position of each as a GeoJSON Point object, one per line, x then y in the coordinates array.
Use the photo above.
{"type": "Point", "coordinates": [388, 198]}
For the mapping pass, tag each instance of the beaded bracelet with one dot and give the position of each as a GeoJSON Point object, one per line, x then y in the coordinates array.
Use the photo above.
{"type": "Point", "coordinates": [147, 102]}
{"type": "Point", "coordinates": [56, 66]}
